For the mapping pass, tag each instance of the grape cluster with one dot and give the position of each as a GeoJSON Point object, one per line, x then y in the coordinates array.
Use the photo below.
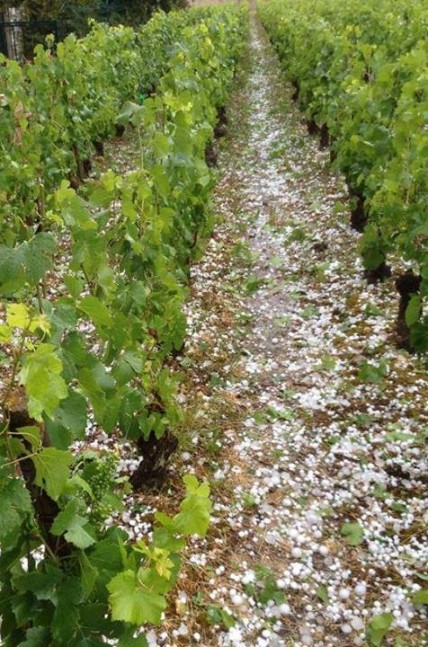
{"type": "Point", "coordinates": [100, 474]}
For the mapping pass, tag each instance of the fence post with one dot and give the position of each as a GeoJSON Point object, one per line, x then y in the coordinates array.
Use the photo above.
{"type": "Point", "coordinates": [14, 36]}
{"type": "Point", "coordinates": [19, 37]}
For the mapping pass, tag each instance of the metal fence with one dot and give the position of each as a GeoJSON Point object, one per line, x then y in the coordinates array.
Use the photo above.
{"type": "Point", "coordinates": [18, 38]}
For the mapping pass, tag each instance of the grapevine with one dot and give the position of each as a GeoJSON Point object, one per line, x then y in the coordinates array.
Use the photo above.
{"type": "Point", "coordinates": [96, 348]}
{"type": "Point", "coordinates": [360, 77]}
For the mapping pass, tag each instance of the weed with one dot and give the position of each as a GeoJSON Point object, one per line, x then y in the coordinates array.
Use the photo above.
{"type": "Point", "coordinates": [254, 283]}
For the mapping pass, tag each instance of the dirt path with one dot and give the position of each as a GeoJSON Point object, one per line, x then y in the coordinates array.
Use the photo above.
{"type": "Point", "coordinates": [306, 419]}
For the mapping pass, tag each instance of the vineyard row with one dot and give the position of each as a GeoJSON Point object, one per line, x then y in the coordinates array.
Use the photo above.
{"type": "Point", "coordinates": [93, 284]}
{"type": "Point", "coordinates": [359, 72]}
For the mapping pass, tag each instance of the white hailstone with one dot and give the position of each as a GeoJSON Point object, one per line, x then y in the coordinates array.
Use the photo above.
{"type": "Point", "coordinates": [235, 635]}
{"type": "Point", "coordinates": [196, 636]}
{"type": "Point", "coordinates": [182, 630]}
{"type": "Point", "coordinates": [281, 584]}
{"type": "Point", "coordinates": [360, 588]}
{"type": "Point", "coordinates": [248, 577]}
{"type": "Point", "coordinates": [296, 552]}
{"type": "Point", "coordinates": [346, 629]}
{"type": "Point", "coordinates": [344, 594]}
{"type": "Point", "coordinates": [272, 537]}
{"type": "Point", "coordinates": [151, 638]}
{"type": "Point", "coordinates": [323, 550]}
{"type": "Point", "coordinates": [237, 599]}
{"type": "Point", "coordinates": [284, 609]}
{"type": "Point", "coordinates": [357, 624]}
{"type": "Point", "coordinates": [296, 568]}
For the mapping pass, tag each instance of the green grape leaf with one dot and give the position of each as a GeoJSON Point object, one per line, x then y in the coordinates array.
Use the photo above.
{"type": "Point", "coordinates": [22, 606]}
{"type": "Point", "coordinates": [32, 434]}
{"type": "Point", "coordinates": [43, 383]}
{"type": "Point", "coordinates": [93, 616]}
{"type": "Point", "coordinates": [69, 422]}
{"type": "Point", "coordinates": [161, 145]}
{"type": "Point", "coordinates": [38, 256]}
{"type": "Point", "coordinates": [73, 209]}
{"type": "Point", "coordinates": [15, 504]}
{"type": "Point", "coordinates": [105, 556]}
{"type": "Point", "coordinates": [62, 317]}
{"type": "Point", "coordinates": [378, 628]}
{"type": "Point", "coordinates": [35, 637]}
{"type": "Point", "coordinates": [72, 525]}
{"type": "Point", "coordinates": [52, 470]}
{"type": "Point", "coordinates": [89, 575]}
{"type": "Point", "coordinates": [17, 315]}
{"type": "Point", "coordinates": [419, 335]}
{"type": "Point", "coordinates": [100, 196]}
{"type": "Point", "coordinates": [164, 537]}
{"type": "Point", "coordinates": [151, 579]}
{"type": "Point", "coordinates": [420, 597]}
{"type": "Point", "coordinates": [12, 272]}
{"type": "Point", "coordinates": [129, 640]}
{"type": "Point", "coordinates": [77, 482]}
{"type": "Point", "coordinates": [131, 602]}
{"type": "Point", "coordinates": [106, 279]}
{"type": "Point", "coordinates": [65, 620]}
{"type": "Point", "coordinates": [64, 518]}
{"type": "Point", "coordinates": [353, 533]}
{"type": "Point", "coordinates": [41, 584]}
{"type": "Point", "coordinates": [194, 515]}
{"type": "Point", "coordinates": [161, 180]}
{"type": "Point", "coordinates": [164, 519]}
{"type": "Point", "coordinates": [26, 263]}
{"type": "Point", "coordinates": [129, 110]}
{"type": "Point", "coordinates": [413, 310]}
{"type": "Point", "coordinates": [194, 487]}
{"type": "Point", "coordinates": [17, 447]}
{"type": "Point", "coordinates": [5, 334]}
{"type": "Point", "coordinates": [78, 535]}
{"type": "Point", "coordinates": [96, 311]}
{"type": "Point", "coordinates": [74, 285]}
{"type": "Point", "coordinates": [92, 389]}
